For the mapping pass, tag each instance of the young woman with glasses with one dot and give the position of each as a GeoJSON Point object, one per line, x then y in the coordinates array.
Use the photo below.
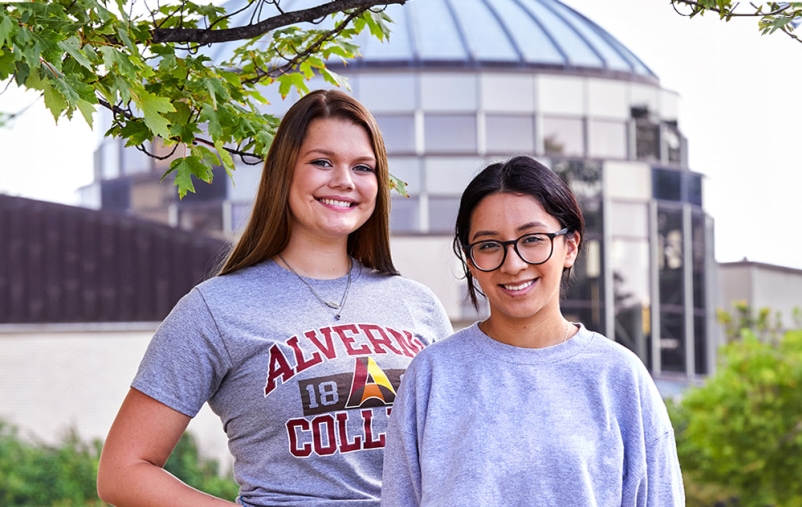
{"type": "Point", "coordinates": [525, 407]}
{"type": "Point", "coordinates": [299, 343]}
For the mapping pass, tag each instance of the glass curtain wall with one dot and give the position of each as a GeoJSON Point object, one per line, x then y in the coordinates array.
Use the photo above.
{"type": "Point", "coordinates": [584, 300]}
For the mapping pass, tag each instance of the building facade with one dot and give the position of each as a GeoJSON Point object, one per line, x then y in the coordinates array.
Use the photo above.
{"type": "Point", "coordinates": [463, 83]}
{"type": "Point", "coordinates": [758, 286]}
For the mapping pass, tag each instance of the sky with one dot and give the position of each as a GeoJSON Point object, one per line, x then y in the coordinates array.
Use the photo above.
{"type": "Point", "coordinates": [740, 110]}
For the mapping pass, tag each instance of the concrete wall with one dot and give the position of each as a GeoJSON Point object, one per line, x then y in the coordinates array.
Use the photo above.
{"type": "Point", "coordinates": [761, 286]}
{"type": "Point", "coordinates": [54, 378]}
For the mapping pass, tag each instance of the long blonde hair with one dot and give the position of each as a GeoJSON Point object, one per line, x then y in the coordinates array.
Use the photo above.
{"type": "Point", "coordinates": [269, 228]}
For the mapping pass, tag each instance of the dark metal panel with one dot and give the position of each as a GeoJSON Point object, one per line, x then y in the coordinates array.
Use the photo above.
{"type": "Point", "coordinates": [65, 264]}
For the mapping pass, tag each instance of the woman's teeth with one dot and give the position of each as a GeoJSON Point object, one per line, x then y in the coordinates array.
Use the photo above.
{"type": "Point", "coordinates": [519, 287]}
{"type": "Point", "coordinates": [339, 204]}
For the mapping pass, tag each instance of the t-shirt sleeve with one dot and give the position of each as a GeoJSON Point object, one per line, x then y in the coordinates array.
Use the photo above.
{"type": "Point", "coordinates": [439, 322]}
{"type": "Point", "coordinates": [186, 360]}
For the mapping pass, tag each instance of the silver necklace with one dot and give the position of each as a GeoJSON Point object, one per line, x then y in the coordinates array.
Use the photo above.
{"type": "Point", "coordinates": [330, 304]}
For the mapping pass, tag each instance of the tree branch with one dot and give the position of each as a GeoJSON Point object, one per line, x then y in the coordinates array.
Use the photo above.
{"type": "Point", "coordinates": [207, 36]}
{"type": "Point", "coordinates": [731, 12]}
{"type": "Point", "coordinates": [283, 69]}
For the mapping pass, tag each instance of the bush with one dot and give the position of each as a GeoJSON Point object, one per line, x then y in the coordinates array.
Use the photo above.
{"type": "Point", "coordinates": [40, 475]}
{"type": "Point", "coordinates": [201, 473]}
{"type": "Point", "coordinates": [740, 435]}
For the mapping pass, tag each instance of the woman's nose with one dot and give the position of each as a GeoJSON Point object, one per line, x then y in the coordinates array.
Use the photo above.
{"type": "Point", "coordinates": [341, 178]}
{"type": "Point", "coordinates": [513, 263]}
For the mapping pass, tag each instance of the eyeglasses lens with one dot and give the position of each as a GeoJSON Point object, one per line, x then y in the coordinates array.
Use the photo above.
{"type": "Point", "coordinates": [532, 248]}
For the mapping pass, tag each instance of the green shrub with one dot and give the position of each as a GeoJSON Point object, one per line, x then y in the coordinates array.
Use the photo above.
{"type": "Point", "coordinates": [201, 473]}
{"type": "Point", "coordinates": [64, 475]}
{"type": "Point", "coordinates": [740, 434]}
{"type": "Point", "coordinates": [42, 475]}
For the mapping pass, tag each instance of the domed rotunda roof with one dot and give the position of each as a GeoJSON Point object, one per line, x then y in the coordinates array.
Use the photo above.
{"type": "Point", "coordinates": [475, 34]}
{"type": "Point", "coordinates": [499, 33]}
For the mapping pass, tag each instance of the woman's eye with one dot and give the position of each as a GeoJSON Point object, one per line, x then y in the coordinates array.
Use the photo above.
{"type": "Point", "coordinates": [363, 168]}
{"type": "Point", "coordinates": [489, 246]}
{"type": "Point", "coordinates": [532, 240]}
{"type": "Point", "coordinates": [322, 162]}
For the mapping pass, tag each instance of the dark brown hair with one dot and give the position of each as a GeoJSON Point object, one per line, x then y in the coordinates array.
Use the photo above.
{"type": "Point", "coordinates": [269, 228]}
{"type": "Point", "coordinates": [522, 176]}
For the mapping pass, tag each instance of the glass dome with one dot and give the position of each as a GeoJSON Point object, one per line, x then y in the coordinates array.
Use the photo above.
{"type": "Point", "coordinates": [474, 34]}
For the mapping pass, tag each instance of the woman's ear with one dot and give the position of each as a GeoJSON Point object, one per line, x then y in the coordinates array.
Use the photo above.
{"type": "Point", "coordinates": [572, 241]}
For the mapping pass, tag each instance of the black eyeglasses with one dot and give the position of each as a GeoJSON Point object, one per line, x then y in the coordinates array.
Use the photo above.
{"type": "Point", "coordinates": [490, 254]}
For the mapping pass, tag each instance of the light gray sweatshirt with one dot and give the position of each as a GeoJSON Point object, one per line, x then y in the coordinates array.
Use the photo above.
{"type": "Point", "coordinates": [481, 423]}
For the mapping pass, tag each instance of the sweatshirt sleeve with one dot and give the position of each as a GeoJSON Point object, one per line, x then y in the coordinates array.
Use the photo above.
{"type": "Point", "coordinates": [401, 478]}
{"type": "Point", "coordinates": [661, 484]}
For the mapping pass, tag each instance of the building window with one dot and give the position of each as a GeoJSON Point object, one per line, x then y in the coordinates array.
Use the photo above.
{"type": "Point", "coordinates": [510, 134]}
{"type": "Point", "coordinates": [214, 191]}
{"type": "Point", "coordinates": [647, 140]}
{"type": "Point", "coordinates": [405, 214]}
{"type": "Point", "coordinates": [563, 136]}
{"type": "Point", "coordinates": [629, 219]}
{"type": "Point", "coordinates": [631, 291]}
{"type": "Point", "coordinates": [398, 132]}
{"type": "Point", "coordinates": [443, 214]}
{"type": "Point", "coordinates": [584, 177]}
{"type": "Point", "coordinates": [671, 289]}
{"type": "Point", "coordinates": [450, 133]}
{"type": "Point", "coordinates": [700, 342]}
{"type": "Point", "coordinates": [607, 139]}
{"type": "Point", "coordinates": [698, 248]}
{"type": "Point", "coordinates": [672, 142]}
{"type": "Point", "coordinates": [672, 341]}
{"type": "Point", "coordinates": [201, 217]}
{"type": "Point", "coordinates": [115, 195]}
{"type": "Point", "coordinates": [667, 184]}
{"type": "Point", "coordinates": [584, 299]}
{"type": "Point", "coordinates": [677, 185]}
{"type": "Point", "coordinates": [692, 184]}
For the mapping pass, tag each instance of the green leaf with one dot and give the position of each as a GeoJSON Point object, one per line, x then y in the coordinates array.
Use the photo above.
{"type": "Point", "coordinates": [216, 91]}
{"type": "Point", "coordinates": [72, 46]}
{"type": "Point", "coordinates": [225, 157]}
{"type": "Point", "coordinates": [7, 27]}
{"type": "Point", "coordinates": [398, 185]}
{"type": "Point", "coordinates": [6, 64]}
{"type": "Point", "coordinates": [114, 60]}
{"type": "Point", "coordinates": [209, 115]}
{"type": "Point", "coordinates": [289, 81]}
{"type": "Point", "coordinates": [54, 100]}
{"type": "Point", "coordinates": [187, 167]}
{"type": "Point", "coordinates": [152, 107]}
{"type": "Point", "coordinates": [87, 111]}
{"type": "Point", "coordinates": [135, 133]}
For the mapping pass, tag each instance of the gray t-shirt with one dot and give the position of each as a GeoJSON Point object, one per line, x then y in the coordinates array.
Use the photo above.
{"type": "Point", "coordinates": [479, 422]}
{"type": "Point", "coordinates": [304, 398]}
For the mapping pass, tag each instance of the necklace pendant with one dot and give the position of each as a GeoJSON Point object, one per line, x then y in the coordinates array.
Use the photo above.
{"type": "Point", "coordinates": [337, 317]}
{"type": "Point", "coordinates": [333, 306]}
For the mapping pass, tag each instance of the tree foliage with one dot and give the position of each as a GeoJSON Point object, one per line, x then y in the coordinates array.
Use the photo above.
{"type": "Point", "coordinates": [771, 16]}
{"type": "Point", "coordinates": [740, 435]}
{"type": "Point", "coordinates": [148, 64]}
